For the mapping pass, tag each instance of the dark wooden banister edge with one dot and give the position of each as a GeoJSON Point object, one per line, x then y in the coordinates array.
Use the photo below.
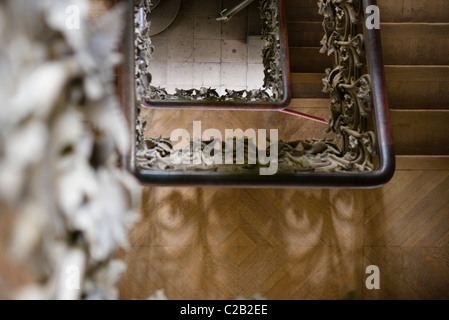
{"type": "Point", "coordinates": [373, 179]}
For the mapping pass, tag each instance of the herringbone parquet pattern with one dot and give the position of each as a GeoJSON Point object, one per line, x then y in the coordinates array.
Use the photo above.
{"type": "Point", "coordinates": [293, 244]}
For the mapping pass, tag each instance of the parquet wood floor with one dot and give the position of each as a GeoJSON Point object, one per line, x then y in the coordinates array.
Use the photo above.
{"type": "Point", "coordinates": [217, 243]}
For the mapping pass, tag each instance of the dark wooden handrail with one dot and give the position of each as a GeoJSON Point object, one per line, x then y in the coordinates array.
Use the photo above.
{"type": "Point", "coordinates": [373, 45]}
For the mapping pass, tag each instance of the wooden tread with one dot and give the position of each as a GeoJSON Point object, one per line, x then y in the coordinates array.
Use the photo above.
{"type": "Point", "coordinates": [390, 10]}
{"type": "Point", "coordinates": [408, 87]}
{"type": "Point", "coordinates": [420, 132]}
{"type": "Point", "coordinates": [422, 162]}
{"type": "Point", "coordinates": [415, 132]}
{"type": "Point", "coordinates": [402, 43]}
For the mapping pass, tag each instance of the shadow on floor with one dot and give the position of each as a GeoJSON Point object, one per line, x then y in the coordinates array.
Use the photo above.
{"type": "Point", "coordinates": [227, 243]}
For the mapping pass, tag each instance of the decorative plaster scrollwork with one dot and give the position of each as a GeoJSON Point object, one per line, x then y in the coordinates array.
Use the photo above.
{"type": "Point", "coordinates": [349, 90]}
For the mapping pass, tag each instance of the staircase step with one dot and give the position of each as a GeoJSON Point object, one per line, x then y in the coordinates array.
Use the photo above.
{"type": "Point", "coordinates": [307, 85]}
{"type": "Point", "coordinates": [422, 162]}
{"type": "Point", "coordinates": [299, 103]}
{"type": "Point", "coordinates": [304, 10]}
{"type": "Point", "coordinates": [403, 44]}
{"type": "Point", "coordinates": [304, 33]}
{"type": "Point", "coordinates": [415, 43]}
{"type": "Point", "coordinates": [414, 10]}
{"type": "Point", "coordinates": [408, 87]}
{"type": "Point", "coordinates": [415, 132]}
{"type": "Point", "coordinates": [420, 131]}
{"type": "Point", "coordinates": [390, 10]}
{"type": "Point", "coordinates": [411, 87]}
{"type": "Point", "coordinates": [309, 60]}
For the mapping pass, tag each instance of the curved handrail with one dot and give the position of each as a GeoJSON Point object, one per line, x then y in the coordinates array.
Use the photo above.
{"type": "Point", "coordinates": [373, 45]}
{"type": "Point", "coordinates": [376, 178]}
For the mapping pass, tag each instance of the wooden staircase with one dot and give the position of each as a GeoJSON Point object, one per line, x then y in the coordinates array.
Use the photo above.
{"type": "Point", "coordinates": [415, 51]}
{"type": "Point", "coordinates": [215, 243]}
